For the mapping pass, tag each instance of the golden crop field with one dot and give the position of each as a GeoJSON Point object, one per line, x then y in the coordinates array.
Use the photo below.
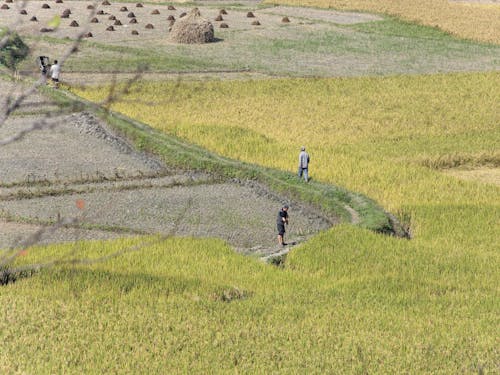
{"type": "Point", "coordinates": [371, 135]}
{"type": "Point", "coordinates": [348, 300]}
{"type": "Point", "coordinates": [473, 21]}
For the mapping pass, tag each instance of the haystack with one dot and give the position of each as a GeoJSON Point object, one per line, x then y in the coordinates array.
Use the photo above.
{"type": "Point", "coordinates": [23, 12]}
{"type": "Point", "coordinates": [5, 6]}
{"type": "Point", "coordinates": [94, 20]}
{"type": "Point", "coordinates": [192, 29]}
{"type": "Point", "coordinates": [45, 6]}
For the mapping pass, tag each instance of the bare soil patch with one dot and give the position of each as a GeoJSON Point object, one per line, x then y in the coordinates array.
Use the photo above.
{"type": "Point", "coordinates": [342, 18]}
{"type": "Point", "coordinates": [238, 214]}
{"type": "Point", "coordinates": [77, 168]}
{"type": "Point", "coordinates": [485, 175]}
{"type": "Point", "coordinates": [75, 147]}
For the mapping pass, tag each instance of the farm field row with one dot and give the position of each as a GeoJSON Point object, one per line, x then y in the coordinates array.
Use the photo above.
{"type": "Point", "coordinates": [362, 133]}
{"type": "Point", "coordinates": [319, 43]}
{"type": "Point", "coordinates": [473, 20]}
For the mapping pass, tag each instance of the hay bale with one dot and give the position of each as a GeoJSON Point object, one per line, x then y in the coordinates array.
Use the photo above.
{"type": "Point", "coordinates": [131, 15]}
{"type": "Point", "coordinates": [171, 7]}
{"type": "Point", "coordinates": [33, 19]}
{"type": "Point", "coordinates": [256, 23]}
{"type": "Point", "coordinates": [74, 24]}
{"type": "Point", "coordinates": [123, 9]}
{"type": "Point", "coordinates": [117, 23]}
{"type": "Point", "coordinates": [100, 12]}
{"type": "Point", "coordinates": [183, 14]}
{"type": "Point", "coordinates": [45, 6]}
{"type": "Point", "coordinates": [133, 20]}
{"type": "Point", "coordinates": [88, 35]}
{"type": "Point", "coordinates": [170, 18]}
{"type": "Point", "coordinates": [149, 26]}
{"type": "Point", "coordinates": [90, 7]}
{"type": "Point", "coordinates": [23, 12]}
{"type": "Point", "coordinates": [285, 20]}
{"type": "Point", "coordinates": [219, 18]}
{"type": "Point", "coordinates": [135, 32]}
{"type": "Point", "coordinates": [224, 25]}
{"type": "Point", "coordinates": [94, 20]}
{"type": "Point", "coordinates": [223, 12]}
{"type": "Point", "coordinates": [9, 1]}
{"type": "Point", "coordinates": [155, 11]}
{"type": "Point", "coordinates": [46, 30]}
{"type": "Point", "coordinates": [110, 28]}
{"type": "Point", "coordinates": [139, 5]}
{"type": "Point", "coordinates": [5, 6]}
{"type": "Point", "coordinates": [67, 11]}
{"type": "Point", "coordinates": [111, 18]}
{"type": "Point", "coordinates": [59, 1]}
{"type": "Point", "coordinates": [106, 2]}
{"type": "Point", "coordinates": [250, 15]}
{"type": "Point", "coordinates": [192, 29]}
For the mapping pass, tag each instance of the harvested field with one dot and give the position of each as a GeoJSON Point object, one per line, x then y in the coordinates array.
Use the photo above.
{"type": "Point", "coordinates": [12, 234]}
{"type": "Point", "coordinates": [71, 147]}
{"type": "Point", "coordinates": [315, 42]}
{"type": "Point", "coordinates": [484, 175]}
{"type": "Point", "coordinates": [76, 168]}
{"type": "Point", "coordinates": [241, 215]}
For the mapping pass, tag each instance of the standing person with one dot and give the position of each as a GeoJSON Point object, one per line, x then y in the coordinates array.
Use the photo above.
{"type": "Point", "coordinates": [304, 163]}
{"type": "Point", "coordinates": [55, 70]}
{"type": "Point", "coordinates": [43, 67]}
{"type": "Point", "coordinates": [281, 221]}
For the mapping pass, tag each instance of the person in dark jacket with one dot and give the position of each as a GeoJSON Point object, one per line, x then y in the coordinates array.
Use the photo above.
{"type": "Point", "coordinates": [281, 221]}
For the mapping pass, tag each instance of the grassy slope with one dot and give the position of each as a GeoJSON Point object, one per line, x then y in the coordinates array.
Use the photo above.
{"type": "Point", "coordinates": [351, 301]}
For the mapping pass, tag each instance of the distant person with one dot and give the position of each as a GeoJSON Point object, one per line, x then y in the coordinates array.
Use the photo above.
{"type": "Point", "coordinates": [304, 163]}
{"type": "Point", "coordinates": [43, 71]}
{"type": "Point", "coordinates": [55, 71]}
{"type": "Point", "coordinates": [281, 221]}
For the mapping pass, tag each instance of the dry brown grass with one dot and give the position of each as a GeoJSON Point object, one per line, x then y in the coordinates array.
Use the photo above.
{"type": "Point", "coordinates": [486, 175]}
{"type": "Point", "coordinates": [472, 21]}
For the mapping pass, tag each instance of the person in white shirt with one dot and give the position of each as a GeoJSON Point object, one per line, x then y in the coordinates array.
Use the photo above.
{"type": "Point", "coordinates": [304, 164]}
{"type": "Point", "coordinates": [55, 71]}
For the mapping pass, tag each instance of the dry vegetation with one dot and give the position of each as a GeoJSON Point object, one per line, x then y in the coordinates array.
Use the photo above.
{"type": "Point", "coordinates": [480, 22]}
